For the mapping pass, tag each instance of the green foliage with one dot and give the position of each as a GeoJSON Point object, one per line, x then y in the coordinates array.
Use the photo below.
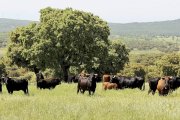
{"type": "Point", "coordinates": [66, 38]}
{"type": "Point", "coordinates": [16, 72]}
{"type": "Point", "coordinates": [49, 73]}
{"type": "Point", "coordinates": [153, 71]}
{"type": "Point", "coordinates": [30, 76]}
{"type": "Point", "coordinates": [2, 52]}
{"type": "Point", "coordinates": [159, 43]}
{"type": "Point", "coordinates": [117, 57]}
{"type": "Point", "coordinates": [17, 48]}
{"type": "Point", "coordinates": [6, 25]}
{"type": "Point", "coordinates": [139, 70]}
{"type": "Point", "coordinates": [142, 63]}
{"type": "Point", "coordinates": [2, 68]}
{"type": "Point", "coordinates": [169, 64]}
{"type": "Point", "coordinates": [153, 64]}
{"type": "Point", "coordinates": [133, 70]}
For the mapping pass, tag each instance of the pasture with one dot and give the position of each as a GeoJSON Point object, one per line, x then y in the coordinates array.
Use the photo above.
{"type": "Point", "coordinates": [63, 103]}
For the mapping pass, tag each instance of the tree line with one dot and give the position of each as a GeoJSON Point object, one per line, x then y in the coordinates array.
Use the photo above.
{"type": "Point", "coordinates": [152, 65]}
{"type": "Point", "coordinates": [160, 43]}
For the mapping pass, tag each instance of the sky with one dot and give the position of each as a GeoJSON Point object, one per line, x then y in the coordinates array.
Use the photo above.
{"type": "Point", "coordinates": [116, 11]}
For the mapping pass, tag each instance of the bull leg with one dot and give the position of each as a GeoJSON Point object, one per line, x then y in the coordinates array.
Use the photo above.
{"type": "Point", "coordinates": [24, 91]}
{"type": "Point", "coordinates": [160, 93]}
{"type": "Point", "coordinates": [77, 90]}
{"type": "Point", "coordinates": [9, 91]}
{"type": "Point", "coordinates": [89, 92]}
{"type": "Point", "coordinates": [140, 88]}
{"type": "Point", "coordinates": [83, 91]}
{"type": "Point", "coordinates": [0, 88]}
{"type": "Point", "coordinates": [149, 91]}
{"type": "Point", "coordinates": [153, 92]}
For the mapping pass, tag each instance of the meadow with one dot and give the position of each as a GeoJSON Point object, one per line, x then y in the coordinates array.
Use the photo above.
{"type": "Point", "coordinates": [63, 103]}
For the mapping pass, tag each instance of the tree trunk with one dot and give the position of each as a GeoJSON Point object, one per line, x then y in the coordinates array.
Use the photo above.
{"type": "Point", "coordinates": [36, 70]}
{"type": "Point", "coordinates": [65, 72]}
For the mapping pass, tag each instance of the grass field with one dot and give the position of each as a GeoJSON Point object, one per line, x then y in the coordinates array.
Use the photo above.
{"type": "Point", "coordinates": [63, 103]}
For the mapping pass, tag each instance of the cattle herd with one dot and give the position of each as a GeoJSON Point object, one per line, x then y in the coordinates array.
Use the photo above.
{"type": "Point", "coordinates": [87, 82]}
{"type": "Point", "coordinates": [164, 85]}
{"type": "Point", "coordinates": [22, 84]}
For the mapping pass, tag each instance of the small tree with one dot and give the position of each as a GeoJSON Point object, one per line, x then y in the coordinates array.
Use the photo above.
{"type": "Point", "coordinates": [169, 64]}
{"type": "Point", "coordinates": [133, 69]}
{"type": "Point", "coordinates": [116, 58]}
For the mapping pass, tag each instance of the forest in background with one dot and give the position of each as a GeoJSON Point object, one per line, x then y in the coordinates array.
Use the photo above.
{"type": "Point", "coordinates": [149, 33]}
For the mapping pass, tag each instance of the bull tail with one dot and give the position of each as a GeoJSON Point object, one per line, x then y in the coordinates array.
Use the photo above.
{"type": "Point", "coordinates": [78, 88]}
{"type": "Point", "coordinates": [27, 90]}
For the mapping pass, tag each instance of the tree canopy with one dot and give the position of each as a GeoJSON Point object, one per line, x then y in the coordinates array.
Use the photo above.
{"type": "Point", "coordinates": [65, 38]}
{"type": "Point", "coordinates": [169, 64]}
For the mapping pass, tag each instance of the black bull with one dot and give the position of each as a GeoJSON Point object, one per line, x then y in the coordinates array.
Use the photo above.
{"type": "Point", "coordinates": [153, 82]}
{"type": "Point", "coordinates": [129, 82]}
{"type": "Point", "coordinates": [46, 83]}
{"type": "Point", "coordinates": [174, 83]}
{"type": "Point", "coordinates": [16, 85]}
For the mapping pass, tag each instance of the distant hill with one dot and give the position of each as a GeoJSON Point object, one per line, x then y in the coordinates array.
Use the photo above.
{"type": "Point", "coordinates": [6, 25]}
{"type": "Point", "coordinates": [162, 28]}
{"type": "Point", "coordinates": [9, 24]}
{"type": "Point", "coordinates": [171, 27]}
{"type": "Point", "coordinates": [167, 28]}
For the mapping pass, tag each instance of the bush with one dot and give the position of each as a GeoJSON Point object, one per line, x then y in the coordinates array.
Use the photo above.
{"type": "Point", "coordinates": [2, 68]}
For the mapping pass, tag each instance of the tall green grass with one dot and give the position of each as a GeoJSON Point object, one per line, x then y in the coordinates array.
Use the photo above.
{"type": "Point", "coordinates": [63, 103]}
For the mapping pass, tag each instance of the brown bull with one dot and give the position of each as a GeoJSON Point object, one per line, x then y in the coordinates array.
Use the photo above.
{"type": "Point", "coordinates": [108, 85]}
{"type": "Point", "coordinates": [106, 78]}
{"type": "Point", "coordinates": [163, 86]}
